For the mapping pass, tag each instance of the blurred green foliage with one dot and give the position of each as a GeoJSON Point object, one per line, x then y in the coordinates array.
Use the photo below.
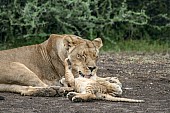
{"type": "Point", "coordinates": [25, 22]}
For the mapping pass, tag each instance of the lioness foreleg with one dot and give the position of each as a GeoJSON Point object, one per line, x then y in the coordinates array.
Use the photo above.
{"type": "Point", "coordinates": [28, 90]}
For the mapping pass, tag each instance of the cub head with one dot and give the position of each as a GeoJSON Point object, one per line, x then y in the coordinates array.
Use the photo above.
{"type": "Point", "coordinates": [83, 55]}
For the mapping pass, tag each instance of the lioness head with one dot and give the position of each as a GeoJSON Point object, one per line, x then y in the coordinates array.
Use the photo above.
{"type": "Point", "coordinates": [83, 55]}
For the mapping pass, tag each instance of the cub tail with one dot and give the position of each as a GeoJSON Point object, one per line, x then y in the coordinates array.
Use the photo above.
{"type": "Point", "coordinates": [119, 99]}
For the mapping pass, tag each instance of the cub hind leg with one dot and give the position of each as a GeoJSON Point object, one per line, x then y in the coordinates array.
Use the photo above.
{"type": "Point", "coordinates": [79, 97]}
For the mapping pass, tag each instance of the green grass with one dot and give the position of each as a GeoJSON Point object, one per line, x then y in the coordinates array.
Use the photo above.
{"type": "Point", "coordinates": [137, 46]}
{"type": "Point", "coordinates": [120, 46]}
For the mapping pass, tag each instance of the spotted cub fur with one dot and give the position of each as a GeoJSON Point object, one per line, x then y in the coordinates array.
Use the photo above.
{"type": "Point", "coordinates": [88, 89]}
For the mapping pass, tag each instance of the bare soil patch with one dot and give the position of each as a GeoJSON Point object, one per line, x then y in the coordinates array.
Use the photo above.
{"type": "Point", "coordinates": [144, 76]}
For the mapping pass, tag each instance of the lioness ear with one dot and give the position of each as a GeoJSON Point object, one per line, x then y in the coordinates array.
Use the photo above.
{"type": "Point", "coordinates": [70, 41]}
{"type": "Point", "coordinates": [98, 42]}
{"type": "Point", "coordinates": [51, 42]}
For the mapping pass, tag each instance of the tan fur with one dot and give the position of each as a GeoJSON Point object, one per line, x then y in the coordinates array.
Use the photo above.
{"type": "Point", "coordinates": [36, 69]}
{"type": "Point", "coordinates": [89, 89]}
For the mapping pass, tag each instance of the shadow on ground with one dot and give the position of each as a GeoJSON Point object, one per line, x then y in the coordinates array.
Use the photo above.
{"type": "Point", "coordinates": [144, 76]}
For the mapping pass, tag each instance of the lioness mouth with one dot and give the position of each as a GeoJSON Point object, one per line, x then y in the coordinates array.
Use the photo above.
{"type": "Point", "coordinates": [85, 76]}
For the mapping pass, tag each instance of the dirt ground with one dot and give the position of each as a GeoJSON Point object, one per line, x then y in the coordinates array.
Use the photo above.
{"type": "Point", "coordinates": [144, 76]}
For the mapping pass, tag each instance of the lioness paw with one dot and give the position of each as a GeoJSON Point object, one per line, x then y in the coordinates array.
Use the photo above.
{"type": "Point", "coordinates": [63, 91]}
{"type": "Point", "coordinates": [49, 92]}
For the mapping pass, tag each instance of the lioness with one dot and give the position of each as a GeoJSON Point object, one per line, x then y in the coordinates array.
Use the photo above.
{"type": "Point", "coordinates": [89, 89]}
{"type": "Point", "coordinates": [31, 70]}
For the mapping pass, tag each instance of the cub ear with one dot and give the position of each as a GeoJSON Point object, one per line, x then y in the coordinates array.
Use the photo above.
{"type": "Point", "coordinates": [70, 41]}
{"type": "Point", "coordinates": [98, 42]}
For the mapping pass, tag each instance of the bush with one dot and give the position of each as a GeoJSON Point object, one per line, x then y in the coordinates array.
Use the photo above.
{"type": "Point", "coordinates": [24, 22]}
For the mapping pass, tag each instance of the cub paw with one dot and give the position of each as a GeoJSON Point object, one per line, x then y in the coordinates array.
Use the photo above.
{"type": "Point", "coordinates": [70, 95]}
{"type": "Point", "coordinates": [67, 63]}
{"type": "Point", "coordinates": [63, 82]}
{"type": "Point", "coordinates": [77, 99]}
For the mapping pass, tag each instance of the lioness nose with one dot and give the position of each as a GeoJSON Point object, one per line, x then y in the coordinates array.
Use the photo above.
{"type": "Point", "coordinates": [92, 68]}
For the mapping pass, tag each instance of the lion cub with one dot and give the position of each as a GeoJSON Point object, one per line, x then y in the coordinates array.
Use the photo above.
{"type": "Point", "coordinates": [88, 89]}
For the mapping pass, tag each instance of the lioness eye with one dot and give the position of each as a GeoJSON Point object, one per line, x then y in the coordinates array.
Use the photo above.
{"type": "Point", "coordinates": [97, 56]}
{"type": "Point", "coordinates": [84, 55]}
{"type": "Point", "coordinates": [78, 55]}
